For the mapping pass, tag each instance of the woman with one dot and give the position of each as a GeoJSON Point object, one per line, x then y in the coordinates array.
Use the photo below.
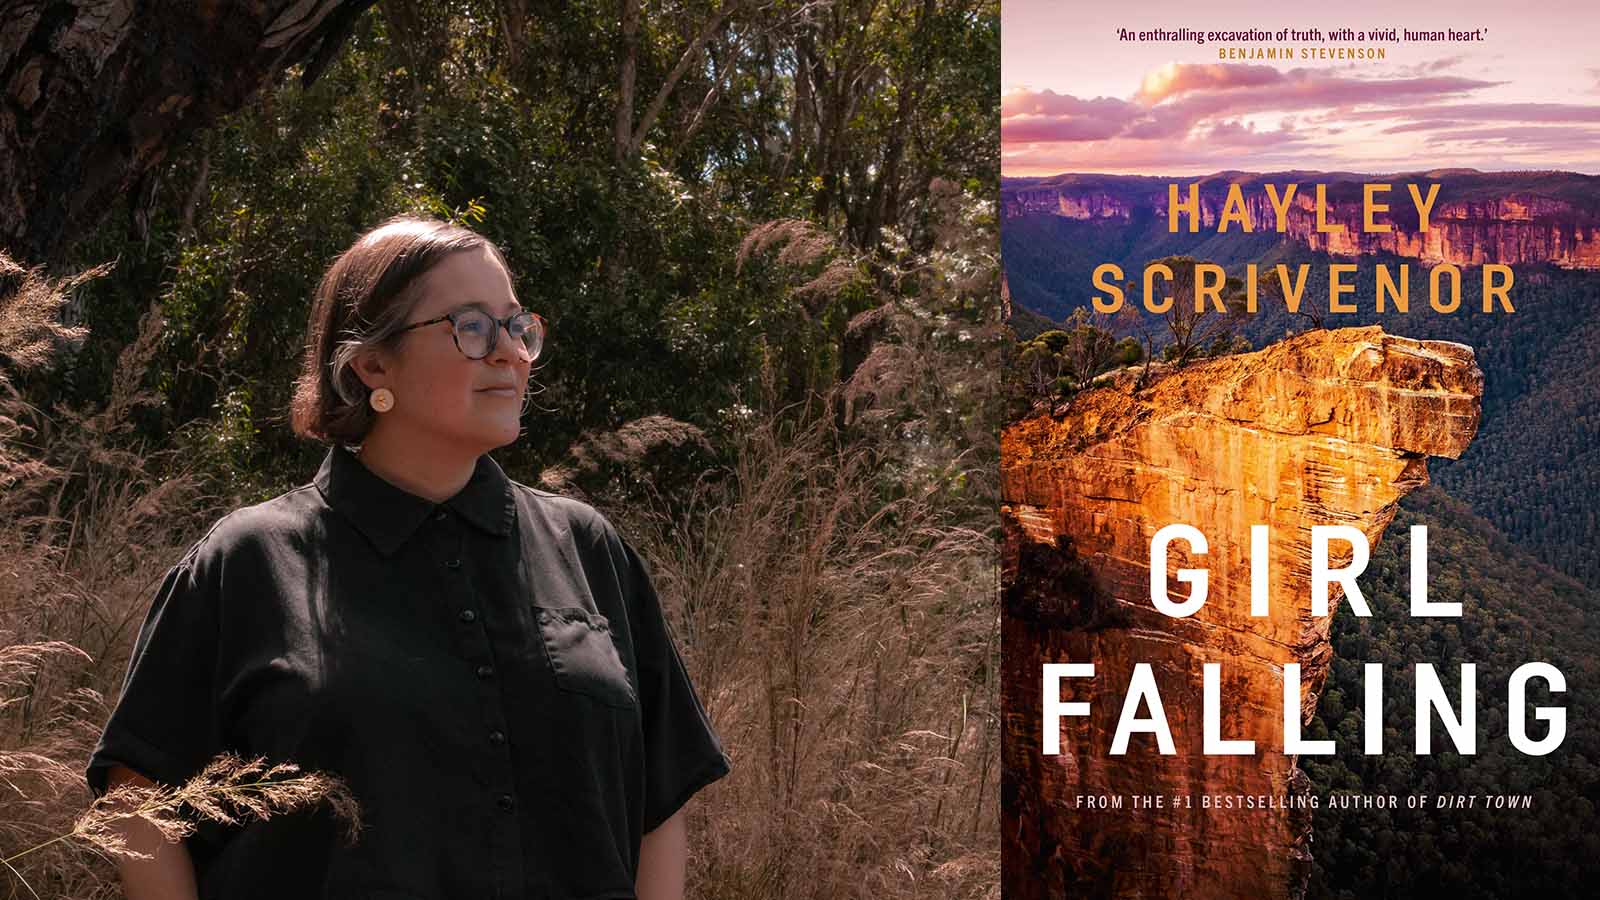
{"type": "Point", "coordinates": [485, 664]}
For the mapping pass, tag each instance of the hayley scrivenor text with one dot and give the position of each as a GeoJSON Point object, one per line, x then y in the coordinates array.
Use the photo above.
{"type": "Point", "coordinates": [1390, 291]}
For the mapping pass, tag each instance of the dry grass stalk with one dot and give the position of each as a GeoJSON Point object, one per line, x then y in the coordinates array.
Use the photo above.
{"type": "Point", "coordinates": [30, 333]}
{"type": "Point", "coordinates": [802, 242]}
{"type": "Point", "coordinates": [845, 641]}
{"type": "Point", "coordinates": [836, 596]}
{"type": "Point", "coordinates": [229, 790]}
{"type": "Point", "coordinates": [91, 523]}
{"type": "Point", "coordinates": [802, 245]}
{"type": "Point", "coordinates": [30, 327]}
{"type": "Point", "coordinates": [628, 448]}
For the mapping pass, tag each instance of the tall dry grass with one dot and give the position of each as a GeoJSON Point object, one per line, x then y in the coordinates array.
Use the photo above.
{"type": "Point", "coordinates": [90, 520]}
{"type": "Point", "coordinates": [846, 649]}
{"type": "Point", "coordinates": [833, 591]}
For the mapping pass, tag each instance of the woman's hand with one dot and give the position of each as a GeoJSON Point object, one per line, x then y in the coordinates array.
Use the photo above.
{"type": "Point", "coordinates": [170, 875]}
{"type": "Point", "coordinates": [663, 857]}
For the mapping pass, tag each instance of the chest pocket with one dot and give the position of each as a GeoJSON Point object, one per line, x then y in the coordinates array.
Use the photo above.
{"type": "Point", "coordinates": [583, 655]}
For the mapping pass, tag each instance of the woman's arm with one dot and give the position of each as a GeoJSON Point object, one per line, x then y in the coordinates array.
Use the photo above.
{"type": "Point", "coordinates": [170, 875]}
{"type": "Point", "coordinates": [663, 856]}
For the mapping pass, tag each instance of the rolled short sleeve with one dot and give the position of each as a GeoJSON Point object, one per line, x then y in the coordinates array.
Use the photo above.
{"type": "Point", "coordinates": [164, 724]}
{"type": "Point", "coordinates": [682, 751]}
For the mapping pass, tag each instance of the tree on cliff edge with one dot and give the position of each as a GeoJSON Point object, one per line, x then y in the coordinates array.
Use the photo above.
{"type": "Point", "coordinates": [1194, 327]}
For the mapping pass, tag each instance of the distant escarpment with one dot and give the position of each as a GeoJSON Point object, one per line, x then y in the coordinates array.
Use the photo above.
{"type": "Point", "coordinates": [1510, 218]}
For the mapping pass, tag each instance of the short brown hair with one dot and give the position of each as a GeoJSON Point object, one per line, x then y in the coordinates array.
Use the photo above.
{"type": "Point", "coordinates": [362, 301]}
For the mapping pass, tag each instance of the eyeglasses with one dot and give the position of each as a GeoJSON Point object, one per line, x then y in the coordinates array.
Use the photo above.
{"type": "Point", "coordinates": [476, 332]}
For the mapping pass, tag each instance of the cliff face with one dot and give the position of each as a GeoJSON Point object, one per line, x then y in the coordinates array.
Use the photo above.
{"type": "Point", "coordinates": [1071, 204]}
{"type": "Point", "coordinates": [1331, 427]}
{"type": "Point", "coordinates": [1513, 226]}
{"type": "Point", "coordinates": [1512, 229]}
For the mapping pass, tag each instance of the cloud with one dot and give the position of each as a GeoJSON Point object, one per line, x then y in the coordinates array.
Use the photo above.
{"type": "Point", "coordinates": [1152, 157]}
{"type": "Point", "coordinates": [1234, 134]}
{"type": "Point", "coordinates": [1173, 79]}
{"type": "Point", "coordinates": [1316, 89]}
{"type": "Point", "coordinates": [1176, 98]}
{"type": "Point", "coordinates": [1425, 67]}
{"type": "Point", "coordinates": [1187, 118]}
{"type": "Point", "coordinates": [1426, 125]}
{"type": "Point", "coordinates": [1059, 128]}
{"type": "Point", "coordinates": [1049, 103]}
{"type": "Point", "coordinates": [1557, 134]}
{"type": "Point", "coordinates": [1483, 112]}
{"type": "Point", "coordinates": [1527, 137]}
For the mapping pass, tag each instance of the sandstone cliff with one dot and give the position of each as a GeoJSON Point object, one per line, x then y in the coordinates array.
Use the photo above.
{"type": "Point", "coordinates": [1478, 218]}
{"type": "Point", "coordinates": [1331, 427]}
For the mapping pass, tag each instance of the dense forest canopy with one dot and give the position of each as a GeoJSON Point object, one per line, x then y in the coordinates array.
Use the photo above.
{"type": "Point", "coordinates": [619, 153]}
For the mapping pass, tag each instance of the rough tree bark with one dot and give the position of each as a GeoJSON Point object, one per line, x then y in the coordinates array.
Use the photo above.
{"type": "Point", "coordinates": [95, 93]}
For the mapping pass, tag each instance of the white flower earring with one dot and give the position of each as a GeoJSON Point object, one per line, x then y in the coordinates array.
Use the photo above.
{"type": "Point", "coordinates": [382, 400]}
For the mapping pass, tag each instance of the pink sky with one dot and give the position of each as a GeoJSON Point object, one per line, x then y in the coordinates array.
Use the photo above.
{"type": "Point", "coordinates": [1076, 99]}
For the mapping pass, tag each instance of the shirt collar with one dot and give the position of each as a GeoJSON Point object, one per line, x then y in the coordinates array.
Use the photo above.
{"type": "Point", "coordinates": [388, 514]}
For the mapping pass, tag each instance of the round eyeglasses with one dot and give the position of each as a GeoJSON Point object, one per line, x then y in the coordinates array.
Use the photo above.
{"type": "Point", "coordinates": [476, 332]}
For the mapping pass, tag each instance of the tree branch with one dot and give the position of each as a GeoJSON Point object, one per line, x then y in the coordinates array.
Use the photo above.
{"type": "Point", "coordinates": [690, 54]}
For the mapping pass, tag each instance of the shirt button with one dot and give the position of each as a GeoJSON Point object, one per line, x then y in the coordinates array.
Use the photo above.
{"type": "Point", "coordinates": [497, 737]}
{"type": "Point", "coordinates": [506, 802]}
{"type": "Point", "coordinates": [440, 516]}
{"type": "Point", "coordinates": [452, 564]}
{"type": "Point", "coordinates": [468, 615]}
{"type": "Point", "coordinates": [485, 671]}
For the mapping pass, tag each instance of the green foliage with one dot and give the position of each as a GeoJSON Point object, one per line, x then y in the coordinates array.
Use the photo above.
{"type": "Point", "coordinates": [1515, 610]}
{"type": "Point", "coordinates": [1127, 352]}
{"type": "Point", "coordinates": [1059, 362]}
{"type": "Point", "coordinates": [455, 109]}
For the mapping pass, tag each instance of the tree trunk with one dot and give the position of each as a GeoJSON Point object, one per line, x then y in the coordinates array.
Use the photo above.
{"type": "Point", "coordinates": [97, 92]}
{"type": "Point", "coordinates": [622, 133]}
{"type": "Point", "coordinates": [513, 32]}
{"type": "Point", "coordinates": [884, 202]}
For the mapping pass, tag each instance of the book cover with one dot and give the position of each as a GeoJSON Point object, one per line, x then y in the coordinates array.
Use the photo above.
{"type": "Point", "coordinates": [1300, 555]}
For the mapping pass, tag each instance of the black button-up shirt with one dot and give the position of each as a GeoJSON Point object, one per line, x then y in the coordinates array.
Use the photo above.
{"type": "Point", "coordinates": [492, 676]}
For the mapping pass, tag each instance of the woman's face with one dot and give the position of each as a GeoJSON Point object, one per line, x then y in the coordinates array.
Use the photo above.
{"type": "Point", "coordinates": [442, 398]}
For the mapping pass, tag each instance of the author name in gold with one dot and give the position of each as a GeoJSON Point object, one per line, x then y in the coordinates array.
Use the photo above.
{"type": "Point", "coordinates": [1302, 53]}
{"type": "Point", "coordinates": [1444, 280]}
